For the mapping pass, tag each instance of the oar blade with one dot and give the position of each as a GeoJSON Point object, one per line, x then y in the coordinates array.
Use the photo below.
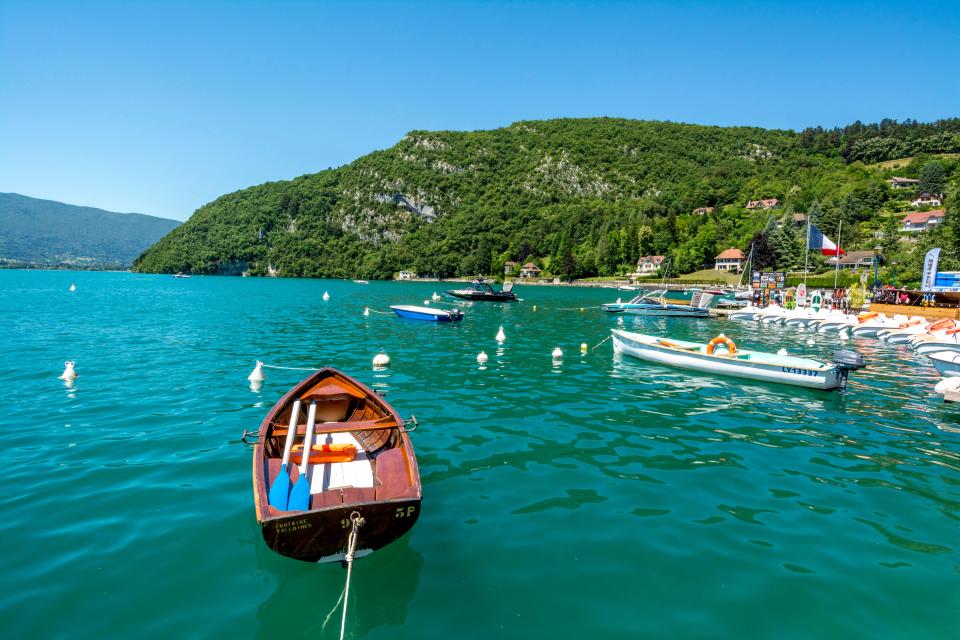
{"type": "Point", "coordinates": [280, 490]}
{"type": "Point", "coordinates": [300, 495]}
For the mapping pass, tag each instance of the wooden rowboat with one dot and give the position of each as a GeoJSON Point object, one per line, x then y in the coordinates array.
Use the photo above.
{"type": "Point", "coordinates": [381, 484]}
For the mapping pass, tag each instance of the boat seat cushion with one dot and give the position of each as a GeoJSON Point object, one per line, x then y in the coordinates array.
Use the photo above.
{"type": "Point", "coordinates": [357, 473]}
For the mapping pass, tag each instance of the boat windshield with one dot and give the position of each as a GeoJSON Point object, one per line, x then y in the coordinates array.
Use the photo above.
{"type": "Point", "coordinates": [655, 297]}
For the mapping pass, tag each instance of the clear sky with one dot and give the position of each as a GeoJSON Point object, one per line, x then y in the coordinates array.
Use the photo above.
{"type": "Point", "coordinates": [160, 107]}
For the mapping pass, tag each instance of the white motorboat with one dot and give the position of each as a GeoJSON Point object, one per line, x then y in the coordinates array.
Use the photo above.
{"type": "Point", "coordinates": [836, 321]}
{"type": "Point", "coordinates": [946, 362]}
{"type": "Point", "coordinates": [746, 314]}
{"type": "Point", "coordinates": [904, 331]}
{"type": "Point", "coordinates": [871, 324]}
{"type": "Point", "coordinates": [721, 356]}
{"type": "Point", "coordinates": [803, 317]}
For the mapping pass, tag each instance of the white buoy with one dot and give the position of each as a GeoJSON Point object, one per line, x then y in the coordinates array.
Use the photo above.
{"type": "Point", "coordinates": [426, 303]}
{"type": "Point", "coordinates": [381, 360]}
{"type": "Point", "coordinates": [501, 336]}
{"type": "Point", "coordinates": [782, 352]}
{"type": "Point", "coordinates": [366, 311]}
{"type": "Point", "coordinates": [69, 373]}
{"type": "Point", "coordinates": [73, 287]}
{"type": "Point", "coordinates": [811, 342]}
{"type": "Point", "coordinates": [557, 354]}
{"type": "Point", "coordinates": [534, 307]}
{"type": "Point", "coordinates": [257, 374]}
{"type": "Point", "coordinates": [583, 347]}
{"type": "Point", "coordinates": [482, 357]}
{"type": "Point", "coordinates": [434, 297]}
{"type": "Point", "coordinates": [326, 296]}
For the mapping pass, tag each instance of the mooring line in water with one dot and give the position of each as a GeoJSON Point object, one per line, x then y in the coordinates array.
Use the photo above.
{"type": "Point", "coordinates": [601, 342]}
{"type": "Point", "coordinates": [386, 313]}
{"type": "Point", "coordinates": [357, 521]}
{"type": "Point", "coordinates": [276, 366]}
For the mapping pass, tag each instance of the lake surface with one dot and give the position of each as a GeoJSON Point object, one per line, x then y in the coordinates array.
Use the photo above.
{"type": "Point", "coordinates": [597, 497]}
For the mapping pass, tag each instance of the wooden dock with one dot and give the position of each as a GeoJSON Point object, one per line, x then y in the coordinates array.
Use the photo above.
{"type": "Point", "coordinates": [915, 310]}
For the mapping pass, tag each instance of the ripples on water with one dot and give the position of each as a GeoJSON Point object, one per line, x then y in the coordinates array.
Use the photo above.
{"type": "Point", "coordinates": [599, 495]}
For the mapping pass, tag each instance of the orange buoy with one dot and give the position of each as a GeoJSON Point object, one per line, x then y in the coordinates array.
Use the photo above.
{"type": "Point", "coordinates": [721, 339]}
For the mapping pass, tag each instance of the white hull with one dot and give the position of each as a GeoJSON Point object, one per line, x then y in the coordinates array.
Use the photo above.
{"type": "Point", "coordinates": [946, 362]}
{"type": "Point", "coordinates": [826, 377]}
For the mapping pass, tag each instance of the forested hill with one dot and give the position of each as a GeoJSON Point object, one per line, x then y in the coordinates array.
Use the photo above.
{"type": "Point", "coordinates": [47, 233]}
{"type": "Point", "coordinates": [579, 197]}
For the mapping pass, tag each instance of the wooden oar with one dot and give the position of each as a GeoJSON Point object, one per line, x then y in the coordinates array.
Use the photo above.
{"type": "Point", "coordinates": [300, 495]}
{"type": "Point", "coordinates": [280, 491]}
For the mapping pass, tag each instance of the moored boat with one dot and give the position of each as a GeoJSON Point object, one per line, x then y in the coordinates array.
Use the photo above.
{"type": "Point", "coordinates": [481, 290]}
{"type": "Point", "coordinates": [946, 362]}
{"type": "Point", "coordinates": [361, 466]}
{"type": "Point", "coordinates": [721, 356]}
{"type": "Point", "coordinates": [427, 313]}
{"type": "Point", "coordinates": [653, 303]}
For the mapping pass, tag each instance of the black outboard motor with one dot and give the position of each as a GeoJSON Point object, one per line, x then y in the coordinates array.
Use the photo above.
{"type": "Point", "coordinates": [847, 361]}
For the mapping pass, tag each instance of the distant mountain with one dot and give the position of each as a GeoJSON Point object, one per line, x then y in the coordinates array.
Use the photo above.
{"type": "Point", "coordinates": [48, 233]}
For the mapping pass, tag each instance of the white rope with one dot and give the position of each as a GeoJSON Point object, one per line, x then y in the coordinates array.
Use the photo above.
{"type": "Point", "coordinates": [386, 313]}
{"type": "Point", "coordinates": [351, 548]}
{"type": "Point", "coordinates": [601, 342]}
{"type": "Point", "coordinates": [274, 366]}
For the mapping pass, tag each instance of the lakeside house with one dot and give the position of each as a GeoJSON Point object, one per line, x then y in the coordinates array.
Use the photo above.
{"type": "Point", "coordinates": [903, 183]}
{"type": "Point", "coordinates": [702, 211]}
{"type": "Point", "coordinates": [800, 218]}
{"type": "Point", "coordinates": [922, 220]}
{"type": "Point", "coordinates": [406, 275]}
{"type": "Point", "coordinates": [730, 260]}
{"type": "Point", "coordinates": [530, 270]}
{"type": "Point", "coordinates": [856, 260]}
{"type": "Point", "coordinates": [509, 267]}
{"type": "Point", "coordinates": [648, 265]}
{"type": "Point", "coordinates": [927, 199]}
{"type": "Point", "coordinates": [768, 203]}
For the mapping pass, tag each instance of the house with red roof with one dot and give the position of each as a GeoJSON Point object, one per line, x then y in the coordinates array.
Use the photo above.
{"type": "Point", "coordinates": [648, 265]}
{"type": "Point", "coordinates": [903, 183]}
{"type": "Point", "coordinates": [530, 270]}
{"type": "Point", "coordinates": [730, 260]}
{"type": "Point", "coordinates": [922, 220]}
{"type": "Point", "coordinates": [927, 199]}
{"type": "Point", "coordinates": [768, 203]}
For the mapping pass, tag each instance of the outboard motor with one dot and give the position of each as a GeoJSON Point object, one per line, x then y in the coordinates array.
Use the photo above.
{"type": "Point", "coordinates": [847, 361]}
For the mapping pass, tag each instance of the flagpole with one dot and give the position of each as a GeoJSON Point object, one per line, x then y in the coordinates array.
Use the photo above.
{"type": "Point", "coordinates": [836, 274]}
{"type": "Point", "coordinates": [806, 253]}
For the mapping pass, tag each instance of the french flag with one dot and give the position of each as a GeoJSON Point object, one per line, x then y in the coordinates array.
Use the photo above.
{"type": "Point", "coordinates": [826, 246]}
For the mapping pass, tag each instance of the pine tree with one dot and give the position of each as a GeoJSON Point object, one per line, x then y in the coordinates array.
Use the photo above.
{"type": "Point", "coordinates": [933, 177]}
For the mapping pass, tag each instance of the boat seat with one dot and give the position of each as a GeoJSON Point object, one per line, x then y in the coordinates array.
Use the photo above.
{"type": "Point", "coordinates": [357, 473]}
{"type": "Point", "coordinates": [393, 475]}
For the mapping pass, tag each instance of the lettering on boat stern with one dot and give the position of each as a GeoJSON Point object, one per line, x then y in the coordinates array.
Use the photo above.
{"type": "Point", "coordinates": [286, 526]}
{"type": "Point", "coordinates": [405, 512]}
{"type": "Point", "coordinates": [798, 371]}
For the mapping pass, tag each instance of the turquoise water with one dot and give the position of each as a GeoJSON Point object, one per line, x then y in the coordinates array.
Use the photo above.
{"type": "Point", "coordinates": [596, 496]}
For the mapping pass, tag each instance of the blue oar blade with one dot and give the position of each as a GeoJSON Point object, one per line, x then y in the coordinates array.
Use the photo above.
{"type": "Point", "coordinates": [280, 491]}
{"type": "Point", "coordinates": [300, 495]}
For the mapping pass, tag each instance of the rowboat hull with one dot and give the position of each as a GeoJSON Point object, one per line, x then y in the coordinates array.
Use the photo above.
{"type": "Point", "coordinates": [428, 314]}
{"type": "Point", "coordinates": [793, 371]}
{"type": "Point", "coordinates": [382, 486]}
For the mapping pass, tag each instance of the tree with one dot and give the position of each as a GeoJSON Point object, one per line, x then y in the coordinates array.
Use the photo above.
{"type": "Point", "coordinates": [933, 177]}
{"type": "Point", "coordinates": [764, 257]}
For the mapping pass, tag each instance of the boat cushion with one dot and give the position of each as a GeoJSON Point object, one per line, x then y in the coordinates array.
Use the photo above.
{"type": "Point", "coordinates": [339, 475]}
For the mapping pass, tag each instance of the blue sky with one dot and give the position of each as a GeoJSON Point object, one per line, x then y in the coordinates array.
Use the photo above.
{"type": "Point", "coordinates": [160, 107]}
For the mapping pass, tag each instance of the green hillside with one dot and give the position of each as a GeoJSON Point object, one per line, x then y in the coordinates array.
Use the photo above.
{"type": "Point", "coordinates": [48, 233]}
{"type": "Point", "coordinates": [580, 197]}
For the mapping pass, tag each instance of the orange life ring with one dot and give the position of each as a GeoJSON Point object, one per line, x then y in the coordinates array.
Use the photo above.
{"type": "Point", "coordinates": [323, 453]}
{"type": "Point", "coordinates": [721, 339]}
{"type": "Point", "coordinates": [908, 323]}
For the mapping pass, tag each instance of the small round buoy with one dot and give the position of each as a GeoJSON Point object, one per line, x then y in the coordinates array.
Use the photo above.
{"type": "Point", "coordinates": [381, 360]}
{"type": "Point", "coordinates": [434, 297]}
{"type": "Point", "coordinates": [73, 287]}
{"type": "Point", "coordinates": [326, 296]}
{"type": "Point", "coordinates": [501, 336]}
{"type": "Point", "coordinates": [557, 354]}
{"type": "Point", "coordinates": [257, 374]}
{"type": "Point", "coordinates": [782, 352]}
{"type": "Point", "coordinates": [810, 342]}
{"type": "Point", "coordinates": [583, 347]}
{"type": "Point", "coordinates": [534, 307]}
{"type": "Point", "coordinates": [482, 357]}
{"type": "Point", "coordinates": [366, 311]}
{"type": "Point", "coordinates": [426, 303]}
{"type": "Point", "coordinates": [69, 373]}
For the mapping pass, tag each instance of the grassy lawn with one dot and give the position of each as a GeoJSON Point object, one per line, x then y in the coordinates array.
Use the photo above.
{"type": "Point", "coordinates": [711, 275]}
{"type": "Point", "coordinates": [902, 162]}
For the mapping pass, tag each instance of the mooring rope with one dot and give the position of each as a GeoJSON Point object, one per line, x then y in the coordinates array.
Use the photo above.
{"type": "Point", "coordinates": [386, 313]}
{"type": "Point", "coordinates": [358, 522]}
{"type": "Point", "coordinates": [601, 342]}
{"type": "Point", "coordinates": [275, 366]}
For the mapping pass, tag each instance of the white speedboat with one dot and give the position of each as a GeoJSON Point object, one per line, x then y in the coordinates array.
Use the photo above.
{"type": "Point", "coordinates": [836, 321]}
{"type": "Point", "coordinates": [746, 314]}
{"type": "Point", "coordinates": [904, 331]}
{"type": "Point", "coordinates": [721, 356]}
{"type": "Point", "coordinates": [946, 362]}
{"type": "Point", "coordinates": [803, 317]}
{"type": "Point", "coordinates": [871, 324]}
{"type": "Point", "coordinates": [773, 314]}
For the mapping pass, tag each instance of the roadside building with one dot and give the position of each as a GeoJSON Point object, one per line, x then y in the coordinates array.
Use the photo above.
{"type": "Point", "coordinates": [916, 221]}
{"type": "Point", "coordinates": [730, 260]}
{"type": "Point", "coordinates": [768, 203]}
{"type": "Point", "coordinates": [648, 265]}
{"type": "Point", "coordinates": [509, 267]}
{"type": "Point", "coordinates": [927, 199]}
{"type": "Point", "coordinates": [856, 260]}
{"type": "Point", "coordinates": [406, 275]}
{"type": "Point", "coordinates": [903, 183]}
{"type": "Point", "coordinates": [703, 211]}
{"type": "Point", "coordinates": [530, 270]}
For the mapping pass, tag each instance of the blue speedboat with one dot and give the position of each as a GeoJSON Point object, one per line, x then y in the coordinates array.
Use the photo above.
{"type": "Point", "coordinates": [427, 313]}
{"type": "Point", "coordinates": [654, 304]}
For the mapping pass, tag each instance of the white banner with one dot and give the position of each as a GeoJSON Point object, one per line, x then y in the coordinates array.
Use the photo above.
{"type": "Point", "coordinates": [930, 269]}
